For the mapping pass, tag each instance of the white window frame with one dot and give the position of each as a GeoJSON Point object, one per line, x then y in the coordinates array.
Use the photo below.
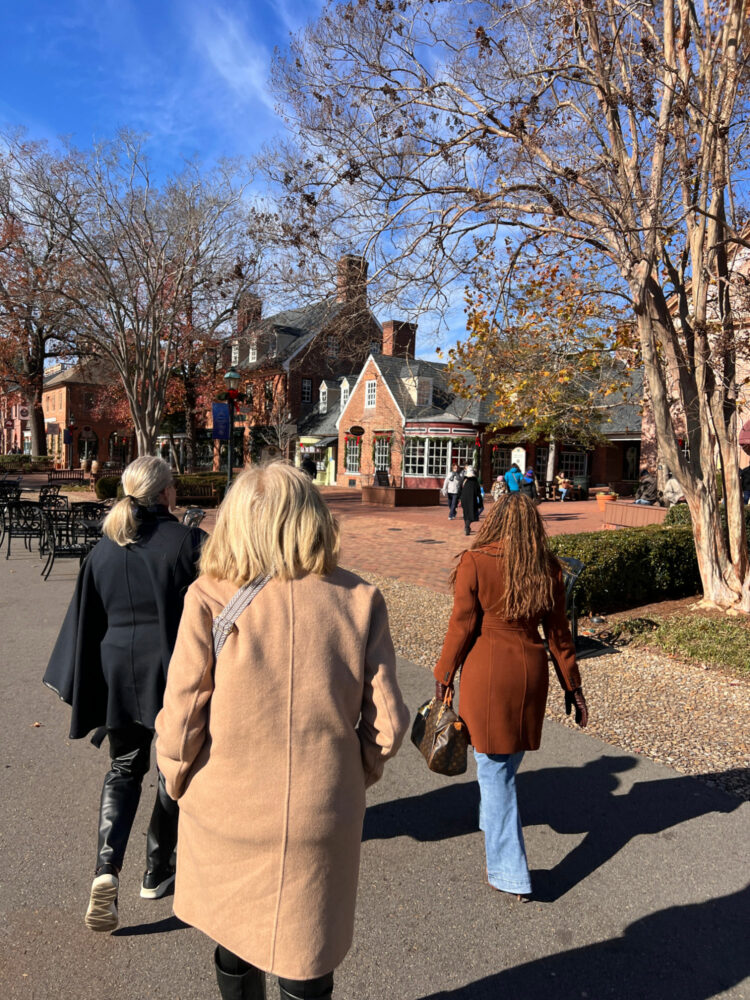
{"type": "Point", "coordinates": [307, 390]}
{"type": "Point", "coordinates": [462, 451]}
{"type": "Point", "coordinates": [235, 352]}
{"type": "Point", "coordinates": [252, 352]}
{"type": "Point", "coordinates": [437, 459]}
{"type": "Point", "coordinates": [332, 346]}
{"type": "Point", "coordinates": [540, 463]}
{"type": "Point", "coordinates": [353, 456]}
{"type": "Point", "coordinates": [371, 393]}
{"type": "Point", "coordinates": [414, 464]}
{"type": "Point", "coordinates": [573, 463]}
{"type": "Point", "coordinates": [501, 460]}
{"type": "Point", "coordinates": [382, 454]}
{"type": "Point", "coordinates": [344, 395]}
{"type": "Point", "coordinates": [323, 400]}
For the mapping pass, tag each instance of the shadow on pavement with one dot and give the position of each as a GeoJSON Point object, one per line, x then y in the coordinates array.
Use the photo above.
{"type": "Point", "coordinates": [570, 800]}
{"type": "Point", "coordinates": [158, 927]}
{"type": "Point", "coordinates": [692, 952]}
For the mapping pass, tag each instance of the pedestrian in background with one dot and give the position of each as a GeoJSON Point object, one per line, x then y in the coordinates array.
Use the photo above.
{"type": "Point", "coordinates": [452, 489]}
{"type": "Point", "coordinates": [648, 491]}
{"type": "Point", "coordinates": [110, 664]}
{"type": "Point", "coordinates": [504, 587]}
{"type": "Point", "coordinates": [270, 748]}
{"type": "Point", "coordinates": [672, 491]}
{"type": "Point", "coordinates": [470, 498]}
{"type": "Point", "coordinates": [498, 488]}
{"type": "Point", "coordinates": [513, 479]}
{"type": "Point", "coordinates": [528, 485]}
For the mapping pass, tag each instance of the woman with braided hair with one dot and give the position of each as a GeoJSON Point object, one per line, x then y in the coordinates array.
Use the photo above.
{"type": "Point", "coordinates": [505, 585]}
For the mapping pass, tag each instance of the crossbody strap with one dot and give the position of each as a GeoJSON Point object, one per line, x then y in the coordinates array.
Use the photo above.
{"type": "Point", "coordinates": [224, 621]}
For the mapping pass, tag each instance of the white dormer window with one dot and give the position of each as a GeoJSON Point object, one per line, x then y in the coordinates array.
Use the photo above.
{"type": "Point", "coordinates": [344, 395]}
{"type": "Point", "coordinates": [235, 352]}
{"type": "Point", "coordinates": [371, 387]}
{"type": "Point", "coordinates": [252, 353]}
{"type": "Point", "coordinates": [424, 392]}
{"type": "Point", "coordinates": [323, 407]}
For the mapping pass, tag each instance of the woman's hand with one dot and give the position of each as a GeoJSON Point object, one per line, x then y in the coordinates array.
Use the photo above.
{"type": "Point", "coordinates": [575, 698]}
{"type": "Point", "coordinates": [441, 690]}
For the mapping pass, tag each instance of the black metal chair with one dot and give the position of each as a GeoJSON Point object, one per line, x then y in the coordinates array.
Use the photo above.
{"type": "Point", "coordinates": [193, 517]}
{"type": "Point", "coordinates": [572, 569]}
{"type": "Point", "coordinates": [24, 519]}
{"type": "Point", "coordinates": [65, 538]}
{"type": "Point", "coordinates": [46, 492]}
{"type": "Point", "coordinates": [90, 515]}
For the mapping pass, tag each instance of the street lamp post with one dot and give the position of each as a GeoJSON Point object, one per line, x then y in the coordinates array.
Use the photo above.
{"type": "Point", "coordinates": [231, 381]}
{"type": "Point", "coordinates": [71, 428]}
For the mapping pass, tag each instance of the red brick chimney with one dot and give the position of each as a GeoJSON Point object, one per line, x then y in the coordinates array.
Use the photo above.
{"type": "Point", "coordinates": [351, 280]}
{"type": "Point", "coordinates": [249, 312]}
{"type": "Point", "coordinates": [399, 338]}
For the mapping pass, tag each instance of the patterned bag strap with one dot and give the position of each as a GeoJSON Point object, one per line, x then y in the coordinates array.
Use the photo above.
{"type": "Point", "coordinates": [224, 621]}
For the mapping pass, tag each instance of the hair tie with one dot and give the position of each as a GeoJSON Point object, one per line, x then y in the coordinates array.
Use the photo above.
{"type": "Point", "coordinates": [131, 498]}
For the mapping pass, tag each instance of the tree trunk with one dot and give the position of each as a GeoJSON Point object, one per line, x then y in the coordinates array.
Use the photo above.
{"type": "Point", "coordinates": [36, 426]}
{"type": "Point", "coordinates": [191, 420]}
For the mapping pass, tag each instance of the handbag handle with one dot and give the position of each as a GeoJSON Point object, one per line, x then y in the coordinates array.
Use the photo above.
{"type": "Point", "coordinates": [224, 622]}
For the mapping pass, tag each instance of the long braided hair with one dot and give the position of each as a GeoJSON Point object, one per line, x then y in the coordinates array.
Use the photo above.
{"type": "Point", "coordinates": [530, 566]}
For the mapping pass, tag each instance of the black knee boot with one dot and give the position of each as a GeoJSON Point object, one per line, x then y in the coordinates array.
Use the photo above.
{"type": "Point", "coordinates": [249, 984]}
{"type": "Point", "coordinates": [307, 989]}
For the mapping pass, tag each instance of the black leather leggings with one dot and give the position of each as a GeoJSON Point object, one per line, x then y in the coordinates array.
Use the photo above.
{"type": "Point", "coordinates": [130, 753]}
{"type": "Point", "coordinates": [295, 989]}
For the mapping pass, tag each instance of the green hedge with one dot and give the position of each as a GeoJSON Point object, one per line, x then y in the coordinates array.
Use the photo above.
{"type": "Point", "coordinates": [106, 487]}
{"type": "Point", "coordinates": [27, 463]}
{"type": "Point", "coordinates": [631, 566]}
{"type": "Point", "coordinates": [680, 514]}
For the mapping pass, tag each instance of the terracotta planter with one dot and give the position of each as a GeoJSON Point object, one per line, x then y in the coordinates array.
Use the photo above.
{"type": "Point", "coordinates": [602, 499]}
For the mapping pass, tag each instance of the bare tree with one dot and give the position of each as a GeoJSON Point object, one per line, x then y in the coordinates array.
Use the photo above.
{"type": "Point", "coordinates": [158, 264]}
{"type": "Point", "coordinates": [425, 128]}
{"type": "Point", "coordinates": [38, 275]}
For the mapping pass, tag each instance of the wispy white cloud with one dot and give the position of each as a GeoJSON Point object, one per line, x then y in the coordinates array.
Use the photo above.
{"type": "Point", "coordinates": [230, 50]}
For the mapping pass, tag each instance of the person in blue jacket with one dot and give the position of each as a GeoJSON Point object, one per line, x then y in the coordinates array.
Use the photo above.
{"type": "Point", "coordinates": [514, 478]}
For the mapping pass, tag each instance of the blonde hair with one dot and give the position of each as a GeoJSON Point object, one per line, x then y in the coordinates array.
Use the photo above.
{"type": "Point", "coordinates": [273, 521]}
{"type": "Point", "coordinates": [142, 482]}
{"type": "Point", "coordinates": [530, 566]}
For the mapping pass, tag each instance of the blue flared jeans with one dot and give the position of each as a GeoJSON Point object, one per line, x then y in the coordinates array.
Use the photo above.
{"type": "Point", "coordinates": [507, 868]}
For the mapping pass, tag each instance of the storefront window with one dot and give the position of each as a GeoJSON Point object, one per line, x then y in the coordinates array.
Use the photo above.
{"type": "Point", "coordinates": [383, 453]}
{"type": "Point", "coordinates": [353, 454]}
{"type": "Point", "coordinates": [437, 457]}
{"type": "Point", "coordinates": [500, 460]}
{"type": "Point", "coordinates": [414, 451]}
{"type": "Point", "coordinates": [540, 464]}
{"type": "Point", "coordinates": [462, 450]}
{"type": "Point", "coordinates": [573, 463]}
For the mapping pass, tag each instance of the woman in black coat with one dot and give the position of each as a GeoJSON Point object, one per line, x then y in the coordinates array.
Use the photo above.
{"type": "Point", "coordinates": [110, 665]}
{"type": "Point", "coordinates": [471, 498]}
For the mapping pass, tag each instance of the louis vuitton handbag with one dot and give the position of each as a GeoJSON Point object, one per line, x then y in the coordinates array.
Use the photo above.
{"type": "Point", "coordinates": [440, 736]}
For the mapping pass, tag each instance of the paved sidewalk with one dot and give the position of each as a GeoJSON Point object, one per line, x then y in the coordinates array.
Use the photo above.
{"type": "Point", "coordinates": [640, 872]}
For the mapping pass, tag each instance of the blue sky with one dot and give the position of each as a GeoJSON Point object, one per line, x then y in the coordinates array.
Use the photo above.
{"type": "Point", "coordinates": [193, 75]}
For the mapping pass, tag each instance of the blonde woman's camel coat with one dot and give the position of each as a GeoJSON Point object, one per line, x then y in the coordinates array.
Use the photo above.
{"type": "Point", "coordinates": [269, 753]}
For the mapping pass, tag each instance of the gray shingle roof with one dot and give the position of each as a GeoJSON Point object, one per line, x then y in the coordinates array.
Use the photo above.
{"type": "Point", "coordinates": [296, 326]}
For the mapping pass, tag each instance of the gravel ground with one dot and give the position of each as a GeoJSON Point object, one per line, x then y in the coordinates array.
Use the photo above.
{"type": "Point", "coordinates": [695, 719]}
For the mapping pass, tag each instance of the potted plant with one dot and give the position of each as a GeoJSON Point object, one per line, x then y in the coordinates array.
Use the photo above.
{"type": "Point", "coordinates": [602, 499]}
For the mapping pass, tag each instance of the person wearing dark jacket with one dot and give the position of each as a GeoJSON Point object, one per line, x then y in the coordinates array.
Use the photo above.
{"type": "Point", "coordinates": [471, 498]}
{"type": "Point", "coordinates": [648, 491]}
{"type": "Point", "coordinates": [110, 665]}
{"type": "Point", "coordinates": [528, 485]}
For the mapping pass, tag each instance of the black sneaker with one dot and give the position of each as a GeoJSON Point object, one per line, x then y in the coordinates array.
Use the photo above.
{"type": "Point", "coordinates": [156, 883]}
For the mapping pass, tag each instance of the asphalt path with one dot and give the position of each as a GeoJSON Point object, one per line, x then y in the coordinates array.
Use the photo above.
{"type": "Point", "coordinates": [640, 873]}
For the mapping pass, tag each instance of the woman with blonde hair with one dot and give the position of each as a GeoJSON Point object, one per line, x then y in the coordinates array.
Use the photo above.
{"type": "Point", "coordinates": [270, 745]}
{"type": "Point", "coordinates": [504, 587]}
{"type": "Point", "coordinates": [110, 664]}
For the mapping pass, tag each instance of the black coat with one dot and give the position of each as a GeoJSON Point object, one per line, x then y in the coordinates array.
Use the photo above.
{"type": "Point", "coordinates": [111, 656]}
{"type": "Point", "coordinates": [470, 498]}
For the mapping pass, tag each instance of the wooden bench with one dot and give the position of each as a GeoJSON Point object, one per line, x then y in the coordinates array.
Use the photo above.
{"type": "Point", "coordinates": [66, 476]}
{"type": "Point", "coordinates": [632, 515]}
{"type": "Point", "coordinates": [197, 495]}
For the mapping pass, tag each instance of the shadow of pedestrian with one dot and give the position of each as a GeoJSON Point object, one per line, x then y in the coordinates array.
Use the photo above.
{"type": "Point", "coordinates": [158, 927]}
{"type": "Point", "coordinates": [570, 800]}
{"type": "Point", "coordinates": [692, 952]}
{"type": "Point", "coordinates": [583, 800]}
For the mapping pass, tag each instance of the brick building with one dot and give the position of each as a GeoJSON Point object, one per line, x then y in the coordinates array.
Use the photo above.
{"type": "Point", "coordinates": [286, 358]}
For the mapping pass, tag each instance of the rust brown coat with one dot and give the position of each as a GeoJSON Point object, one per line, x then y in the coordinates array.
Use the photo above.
{"type": "Point", "coordinates": [269, 755]}
{"type": "Point", "coordinates": [504, 671]}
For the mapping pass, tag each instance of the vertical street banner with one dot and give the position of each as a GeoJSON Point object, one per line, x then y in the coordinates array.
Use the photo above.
{"type": "Point", "coordinates": [220, 414]}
